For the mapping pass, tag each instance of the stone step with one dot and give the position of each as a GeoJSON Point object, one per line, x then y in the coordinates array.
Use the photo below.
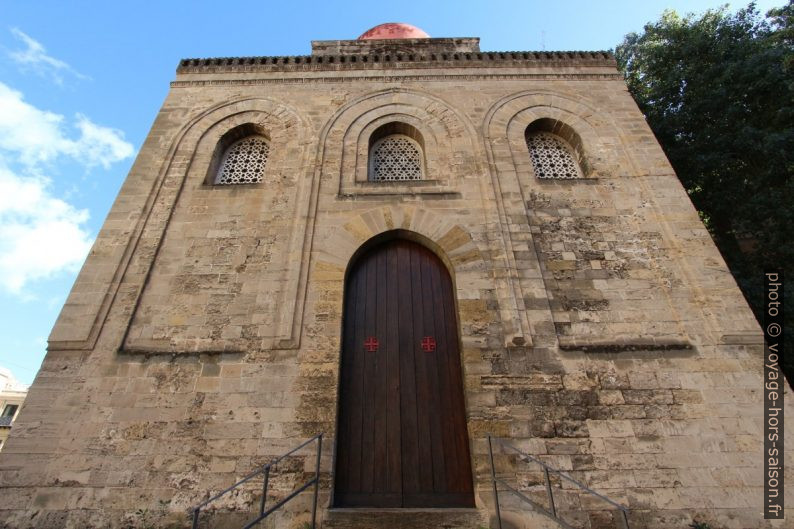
{"type": "Point", "coordinates": [405, 519]}
{"type": "Point", "coordinates": [525, 519]}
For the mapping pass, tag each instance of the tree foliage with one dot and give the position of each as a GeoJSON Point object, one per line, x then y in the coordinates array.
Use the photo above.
{"type": "Point", "coordinates": [718, 91]}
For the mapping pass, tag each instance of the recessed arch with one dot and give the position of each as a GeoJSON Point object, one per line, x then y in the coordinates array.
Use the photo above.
{"type": "Point", "coordinates": [396, 152]}
{"type": "Point", "coordinates": [448, 140]}
{"type": "Point", "coordinates": [185, 177]}
{"type": "Point", "coordinates": [554, 134]}
{"type": "Point", "coordinates": [606, 152]}
{"type": "Point", "coordinates": [231, 138]}
{"type": "Point", "coordinates": [161, 186]}
{"type": "Point", "coordinates": [397, 127]}
{"type": "Point", "coordinates": [508, 119]}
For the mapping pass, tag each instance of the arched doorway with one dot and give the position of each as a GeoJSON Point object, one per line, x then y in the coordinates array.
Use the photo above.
{"type": "Point", "coordinates": [401, 439]}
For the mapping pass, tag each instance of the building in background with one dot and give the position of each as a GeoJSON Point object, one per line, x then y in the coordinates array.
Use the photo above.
{"type": "Point", "coordinates": [12, 395]}
{"type": "Point", "coordinates": [406, 244]}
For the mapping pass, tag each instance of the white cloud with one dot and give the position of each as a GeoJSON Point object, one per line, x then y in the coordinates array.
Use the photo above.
{"type": "Point", "coordinates": [99, 145]}
{"type": "Point", "coordinates": [38, 136]}
{"type": "Point", "coordinates": [35, 57]}
{"type": "Point", "coordinates": [41, 234]}
{"type": "Point", "coordinates": [34, 135]}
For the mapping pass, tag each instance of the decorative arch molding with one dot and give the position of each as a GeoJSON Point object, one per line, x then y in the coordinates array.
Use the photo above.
{"type": "Point", "coordinates": [503, 131]}
{"type": "Point", "coordinates": [450, 146]}
{"type": "Point", "coordinates": [344, 139]}
{"type": "Point", "coordinates": [184, 168]}
{"type": "Point", "coordinates": [510, 117]}
{"type": "Point", "coordinates": [604, 155]}
{"type": "Point", "coordinates": [289, 135]}
{"type": "Point", "coordinates": [282, 126]}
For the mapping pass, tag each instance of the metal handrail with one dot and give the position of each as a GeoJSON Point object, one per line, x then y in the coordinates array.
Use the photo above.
{"type": "Point", "coordinates": [264, 513]}
{"type": "Point", "coordinates": [552, 511]}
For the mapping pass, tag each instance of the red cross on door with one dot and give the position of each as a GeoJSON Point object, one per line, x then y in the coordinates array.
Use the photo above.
{"type": "Point", "coordinates": [429, 344]}
{"type": "Point", "coordinates": [371, 344]}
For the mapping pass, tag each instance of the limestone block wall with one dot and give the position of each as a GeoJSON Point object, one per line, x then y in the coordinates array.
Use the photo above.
{"type": "Point", "coordinates": [600, 328]}
{"type": "Point", "coordinates": [219, 269]}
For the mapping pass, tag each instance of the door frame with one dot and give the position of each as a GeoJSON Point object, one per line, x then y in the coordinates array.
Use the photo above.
{"type": "Point", "coordinates": [377, 240]}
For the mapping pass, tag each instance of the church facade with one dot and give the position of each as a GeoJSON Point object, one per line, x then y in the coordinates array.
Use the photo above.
{"type": "Point", "coordinates": [406, 244]}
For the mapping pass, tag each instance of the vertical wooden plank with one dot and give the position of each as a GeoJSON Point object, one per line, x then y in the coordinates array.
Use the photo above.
{"type": "Point", "coordinates": [408, 410]}
{"type": "Point", "coordinates": [342, 476]}
{"type": "Point", "coordinates": [424, 403]}
{"type": "Point", "coordinates": [380, 380]}
{"type": "Point", "coordinates": [369, 379]}
{"type": "Point", "coordinates": [357, 376]}
{"type": "Point", "coordinates": [444, 456]}
{"type": "Point", "coordinates": [447, 372]}
{"type": "Point", "coordinates": [464, 474]}
{"type": "Point", "coordinates": [402, 425]}
{"type": "Point", "coordinates": [393, 413]}
{"type": "Point", "coordinates": [434, 406]}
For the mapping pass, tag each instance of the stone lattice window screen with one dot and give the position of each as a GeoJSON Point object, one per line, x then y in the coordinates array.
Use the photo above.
{"type": "Point", "coordinates": [395, 157]}
{"type": "Point", "coordinates": [552, 157]}
{"type": "Point", "coordinates": [244, 162]}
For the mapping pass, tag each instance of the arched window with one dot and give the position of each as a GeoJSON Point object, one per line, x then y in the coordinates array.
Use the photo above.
{"type": "Point", "coordinates": [395, 153]}
{"type": "Point", "coordinates": [555, 150]}
{"type": "Point", "coordinates": [244, 161]}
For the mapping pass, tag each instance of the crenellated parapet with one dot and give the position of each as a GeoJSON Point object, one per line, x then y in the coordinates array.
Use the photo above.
{"type": "Point", "coordinates": [381, 55]}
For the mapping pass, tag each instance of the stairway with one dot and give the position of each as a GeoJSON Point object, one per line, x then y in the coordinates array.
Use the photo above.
{"type": "Point", "coordinates": [404, 519]}
{"type": "Point", "coordinates": [518, 515]}
{"type": "Point", "coordinates": [515, 509]}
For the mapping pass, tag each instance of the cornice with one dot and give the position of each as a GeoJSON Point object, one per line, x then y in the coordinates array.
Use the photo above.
{"type": "Point", "coordinates": [396, 78]}
{"type": "Point", "coordinates": [396, 61]}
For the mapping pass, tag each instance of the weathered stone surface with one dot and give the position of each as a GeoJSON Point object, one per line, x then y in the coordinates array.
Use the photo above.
{"type": "Point", "coordinates": [202, 336]}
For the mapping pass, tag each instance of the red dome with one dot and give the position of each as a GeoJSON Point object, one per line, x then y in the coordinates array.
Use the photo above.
{"type": "Point", "coordinates": [394, 30]}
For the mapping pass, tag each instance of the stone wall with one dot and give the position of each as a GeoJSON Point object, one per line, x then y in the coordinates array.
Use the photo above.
{"type": "Point", "coordinates": [600, 328]}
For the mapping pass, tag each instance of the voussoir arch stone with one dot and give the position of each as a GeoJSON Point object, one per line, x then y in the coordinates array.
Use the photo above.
{"type": "Point", "coordinates": [337, 243]}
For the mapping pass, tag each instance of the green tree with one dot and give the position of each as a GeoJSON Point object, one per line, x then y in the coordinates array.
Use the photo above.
{"type": "Point", "coordinates": [783, 20]}
{"type": "Point", "coordinates": [718, 91]}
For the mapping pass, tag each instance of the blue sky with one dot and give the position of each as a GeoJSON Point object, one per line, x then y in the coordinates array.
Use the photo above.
{"type": "Point", "coordinates": [81, 82]}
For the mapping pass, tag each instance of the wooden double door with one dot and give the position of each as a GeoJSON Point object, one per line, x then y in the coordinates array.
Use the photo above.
{"type": "Point", "coordinates": [402, 438]}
